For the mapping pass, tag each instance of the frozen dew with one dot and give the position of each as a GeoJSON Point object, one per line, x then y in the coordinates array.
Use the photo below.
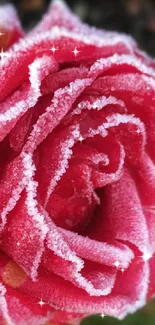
{"type": "Point", "coordinates": [31, 203]}
{"type": "Point", "coordinates": [56, 33]}
{"type": "Point", "coordinates": [70, 90]}
{"type": "Point", "coordinates": [75, 51]}
{"type": "Point", "coordinates": [3, 306]}
{"type": "Point", "coordinates": [100, 158]}
{"type": "Point", "coordinates": [3, 56]}
{"type": "Point", "coordinates": [146, 256]}
{"type": "Point", "coordinates": [102, 315]}
{"type": "Point", "coordinates": [117, 119]}
{"type": "Point", "coordinates": [81, 138]}
{"type": "Point", "coordinates": [104, 64]}
{"type": "Point", "coordinates": [98, 104]}
{"type": "Point", "coordinates": [61, 104]}
{"type": "Point", "coordinates": [11, 203]}
{"type": "Point", "coordinates": [13, 108]}
{"type": "Point", "coordinates": [31, 190]}
{"type": "Point", "coordinates": [117, 264]}
{"type": "Point", "coordinates": [138, 131]}
{"type": "Point", "coordinates": [54, 49]}
{"type": "Point", "coordinates": [66, 152]}
{"type": "Point", "coordinates": [41, 303]}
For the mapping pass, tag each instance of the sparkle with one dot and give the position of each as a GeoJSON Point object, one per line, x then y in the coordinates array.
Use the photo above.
{"type": "Point", "coordinates": [122, 269]}
{"type": "Point", "coordinates": [138, 131]}
{"type": "Point", "coordinates": [41, 303]}
{"type": "Point", "coordinates": [18, 243]}
{"type": "Point", "coordinates": [102, 315]}
{"type": "Point", "coordinates": [54, 49]}
{"type": "Point", "coordinates": [117, 264]}
{"type": "Point", "coordinates": [146, 256]}
{"type": "Point", "coordinates": [2, 56]}
{"type": "Point", "coordinates": [81, 138]}
{"type": "Point", "coordinates": [95, 105]}
{"type": "Point", "coordinates": [1, 34]}
{"type": "Point", "coordinates": [75, 51]}
{"type": "Point", "coordinates": [70, 90]}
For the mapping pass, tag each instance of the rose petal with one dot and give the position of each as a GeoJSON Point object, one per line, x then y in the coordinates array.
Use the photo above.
{"type": "Point", "coordinates": [144, 176]}
{"type": "Point", "coordinates": [10, 26]}
{"type": "Point", "coordinates": [35, 228]}
{"type": "Point", "coordinates": [13, 108]}
{"type": "Point", "coordinates": [151, 290]}
{"type": "Point", "coordinates": [60, 15]}
{"type": "Point", "coordinates": [17, 308]}
{"type": "Point", "coordinates": [132, 229]}
{"type": "Point", "coordinates": [101, 252]}
{"type": "Point", "coordinates": [61, 104]}
{"type": "Point", "coordinates": [61, 294]}
{"type": "Point", "coordinates": [138, 95]}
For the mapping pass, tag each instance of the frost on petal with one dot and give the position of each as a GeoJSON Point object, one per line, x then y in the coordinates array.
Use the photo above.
{"type": "Point", "coordinates": [58, 15]}
{"type": "Point", "coordinates": [23, 311]}
{"type": "Point", "coordinates": [62, 78]}
{"type": "Point", "coordinates": [151, 290]}
{"type": "Point", "coordinates": [22, 129]}
{"type": "Point", "coordinates": [137, 276]}
{"type": "Point", "coordinates": [119, 62]}
{"type": "Point", "coordinates": [144, 176]}
{"type": "Point", "coordinates": [21, 100]}
{"type": "Point", "coordinates": [90, 49]}
{"type": "Point", "coordinates": [4, 306]}
{"type": "Point", "coordinates": [137, 92]}
{"type": "Point", "coordinates": [101, 252]}
{"type": "Point", "coordinates": [94, 278]}
{"type": "Point", "coordinates": [29, 232]}
{"type": "Point", "coordinates": [10, 26]}
{"type": "Point", "coordinates": [59, 293]}
{"type": "Point", "coordinates": [16, 61]}
{"type": "Point", "coordinates": [53, 160]}
{"type": "Point", "coordinates": [66, 263]}
{"type": "Point", "coordinates": [98, 104]}
{"type": "Point", "coordinates": [73, 209]}
{"type": "Point", "coordinates": [71, 197]}
{"type": "Point", "coordinates": [125, 128]}
{"type": "Point", "coordinates": [10, 191]}
{"type": "Point", "coordinates": [104, 175]}
{"type": "Point", "coordinates": [18, 134]}
{"type": "Point", "coordinates": [120, 200]}
{"type": "Point", "coordinates": [61, 104]}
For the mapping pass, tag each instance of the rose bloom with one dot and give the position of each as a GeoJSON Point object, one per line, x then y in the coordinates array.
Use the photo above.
{"type": "Point", "coordinates": [77, 173]}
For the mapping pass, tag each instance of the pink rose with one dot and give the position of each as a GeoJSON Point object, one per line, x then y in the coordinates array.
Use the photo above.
{"type": "Point", "coordinates": [77, 173]}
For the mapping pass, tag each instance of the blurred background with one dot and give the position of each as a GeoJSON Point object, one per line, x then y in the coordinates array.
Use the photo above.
{"type": "Point", "coordinates": [134, 17]}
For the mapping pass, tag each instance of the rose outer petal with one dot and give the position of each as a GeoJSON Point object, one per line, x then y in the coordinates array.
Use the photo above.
{"type": "Point", "coordinates": [10, 27]}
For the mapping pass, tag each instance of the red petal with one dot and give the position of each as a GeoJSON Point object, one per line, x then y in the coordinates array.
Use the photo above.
{"type": "Point", "coordinates": [120, 200]}
{"type": "Point", "coordinates": [10, 26]}
{"type": "Point", "coordinates": [21, 100]}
